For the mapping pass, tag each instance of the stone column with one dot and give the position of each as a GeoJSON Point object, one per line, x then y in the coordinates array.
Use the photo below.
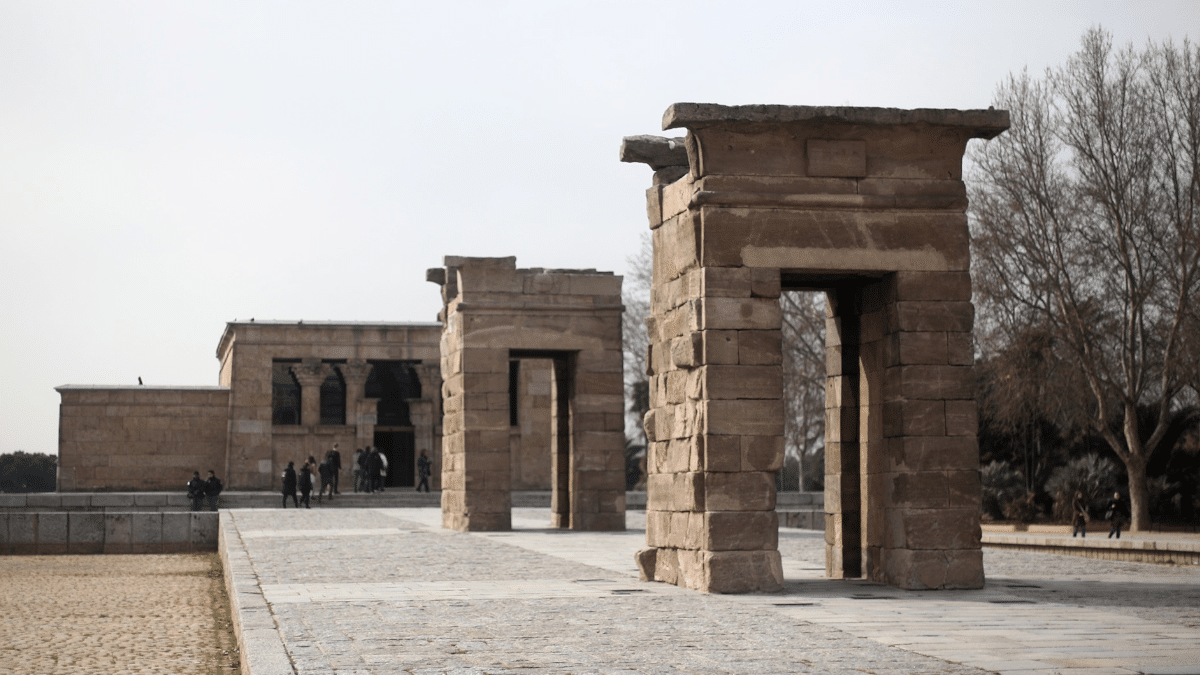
{"type": "Point", "coordinates": [475, 386]}
{"type": "Point", "coordinates": [359, 411]}
{"type": "Point", "coordinates": [926, 475]}
{"type": "Point", "coordinates": [596, 432]}
{"type": "Point", "coordinates": [311, 373]}
{"type": "Point", "coordinates": [715, 427]}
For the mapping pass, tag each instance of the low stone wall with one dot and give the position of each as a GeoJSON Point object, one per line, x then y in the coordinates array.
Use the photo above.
{"type": "Point", "coordinates": [1159, 551]}
{"type": "Point", "coordinates": [78, 532]}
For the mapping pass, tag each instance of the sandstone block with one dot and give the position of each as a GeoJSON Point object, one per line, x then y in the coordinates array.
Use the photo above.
{"type": "Point", "coordinates": [739, 531]}
{"type": "Point", "coordinates": [934, 570]}
{"type": "Point", "coordinates": [743, 418]}
{"type": "Point", "coordinates": [720, 453]}
{"type": "Point", "coordinates": [960, 349]}
{"type": "Point", "coordinates": [929, 382]}
{"type": "Point", "coordinates": [916, 490]}
{"type": "Point", "coordinates": [723, 282]}
{"type": "Point", "coordinates": [765, 283]}
{"type": "Point", "coordinates": [675, 198]}
{"type": "Point", "coordinates": [738, 314]}
{"type": "Point", "coordinates": [940, 529]}
{"type": "Point", "coordinates": [945, 286]}
{"type": "Point", "coordinates": [735, 382]}
{"type": "Point", "coordinates": [962, 418]}
{"type": "Point", "coordinates": [917, 348]}
{"type": "Point", "coordinates": [675, 246]}
{"type": "Point", "coordinates": [646, 562]}
{"type": "Point", "coordinates": [732, 571]}
{"type": "Point", "coordinates": [914, 418]}
{"type": "Point", "coordinates": [964, 488]}
{"type": "Point", "coordinates": [740, 491]}
{"type": "Point", "coordinates": [931, 316]}
{"type": "Point", "coordinates": [760, 453]}
{"type": "Point", "coordinates": [933, 453]}
{"type": "Point", "coordinates": [687, 350]}
{"type": "Point", "coordinates": [721, 347]}
{"type": "Point", "coordinates": [759, 347]}
{"type": "Point", "coordinates": [666, 565]}
{"type": "Point", "coordinates": [658, 527]}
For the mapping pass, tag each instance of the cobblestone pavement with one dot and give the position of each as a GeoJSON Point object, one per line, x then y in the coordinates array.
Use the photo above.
{"type": "Point", "coordinates": [114, 614]}
{"type": "Point", "coordinates": [388, 591]}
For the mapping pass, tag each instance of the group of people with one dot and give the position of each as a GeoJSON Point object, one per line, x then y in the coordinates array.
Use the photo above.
{"type": "Point", "coordinates": [200, 491]}
{"type": "Point", "coordinates": [1115, 514]}
{"type": "Point", "coordinates": [327, 471]}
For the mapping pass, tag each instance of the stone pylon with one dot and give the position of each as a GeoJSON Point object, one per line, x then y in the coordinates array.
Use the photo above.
{"type": "Point", "coordinates": [867, 205]}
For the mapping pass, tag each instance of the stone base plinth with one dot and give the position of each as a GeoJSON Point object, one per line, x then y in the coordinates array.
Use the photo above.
{"type": "Point", "coordinates": [713, 571]}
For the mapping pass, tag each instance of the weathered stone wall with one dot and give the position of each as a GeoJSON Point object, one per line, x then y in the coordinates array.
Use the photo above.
{"type": "Point", "coordinates": [868, 205]}
{"type": "Point", "coordinates": [139, 438]}
{"type": "Point", "coordinates": [494, 312]}
{"type": "Point", "coordinates": [529, 440]}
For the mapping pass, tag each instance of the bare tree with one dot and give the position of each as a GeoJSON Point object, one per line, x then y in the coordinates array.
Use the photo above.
{"type": "Point", "coordinates": [1085, 222]}
{"type": "Point", "coordinates": [635, 294]}
{"type": "Point", "coordinates": [804, 383]}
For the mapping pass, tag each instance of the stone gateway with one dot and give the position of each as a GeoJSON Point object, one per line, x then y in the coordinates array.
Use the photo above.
{"type": "Point", "coordinates": [867, 205]}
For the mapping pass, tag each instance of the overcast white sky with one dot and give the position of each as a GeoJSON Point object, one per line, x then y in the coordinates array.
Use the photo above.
{"type": "Point", "coordinates": [168, 167]}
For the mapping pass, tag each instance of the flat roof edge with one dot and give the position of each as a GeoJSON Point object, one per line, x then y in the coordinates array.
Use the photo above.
{"type": "Point", "coordinates": [986, 123]}
{"type": "Point", "coordinates": [138, 387]}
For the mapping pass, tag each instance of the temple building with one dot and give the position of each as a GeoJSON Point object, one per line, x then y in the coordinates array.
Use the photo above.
{"type": "Point", "coordinates": [287, 391]}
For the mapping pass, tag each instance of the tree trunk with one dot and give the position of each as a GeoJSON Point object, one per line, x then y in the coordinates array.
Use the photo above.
{"type": "Point", "coordinates": [1139, 494]}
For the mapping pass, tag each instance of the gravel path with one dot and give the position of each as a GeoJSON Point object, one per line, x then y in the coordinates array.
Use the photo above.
{"type": "Point", "coordinates": [114, 614]}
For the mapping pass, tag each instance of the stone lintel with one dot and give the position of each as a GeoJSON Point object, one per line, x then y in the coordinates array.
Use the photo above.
{"type": "Point", "coordinates": [983, 123]}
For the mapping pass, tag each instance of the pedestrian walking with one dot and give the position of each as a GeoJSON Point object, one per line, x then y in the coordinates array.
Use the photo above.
{"type": "Point", "coordinates": [195, 491]}
{"type": "Point", "coordinates": [306, 485]}
{"type": "Point", "coordinates": [335, 463]}
{"type": "Point", "coordinates": [289, 485]}
{"type": "Point", "coordinates": [1079, 517]}
{"type": "Point", "coordinates": [424, 470]}
{"type": "Point", "coordinates": [1115, 515]}
{"type": "Point", "coordinates": [374, 464]}
{"type": "Point", "coordinates": [212, 490]}
{"type": "Point", "coordinates": [383, 469]}
{"type": "Point", "coordinates": [358, 467]}
{"type": "Point", "coordinates": [325, 471]}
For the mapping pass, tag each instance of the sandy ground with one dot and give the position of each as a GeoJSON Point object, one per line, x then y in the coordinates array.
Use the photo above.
{"type": "Point", "coordinates": [114, 614]}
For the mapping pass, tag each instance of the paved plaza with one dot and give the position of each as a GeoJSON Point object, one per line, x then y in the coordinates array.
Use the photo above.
{"type": "Point", "coordinates": [390, 591]}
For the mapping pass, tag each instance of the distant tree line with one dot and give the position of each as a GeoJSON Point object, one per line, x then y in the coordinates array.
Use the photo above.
{"type": "Point", "coordinates": [22, 471]}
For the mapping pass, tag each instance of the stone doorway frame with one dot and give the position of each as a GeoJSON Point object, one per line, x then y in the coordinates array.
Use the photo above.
{"type": "Point", "coordinates": [869, 205]}
{"type": "Point", "coordinates": [494, 312]}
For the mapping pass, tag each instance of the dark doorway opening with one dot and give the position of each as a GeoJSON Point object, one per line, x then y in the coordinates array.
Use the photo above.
{"type": "Point", "coordinates": [397, 445]}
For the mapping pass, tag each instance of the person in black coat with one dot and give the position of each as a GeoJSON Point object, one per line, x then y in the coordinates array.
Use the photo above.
{"type": "Point", "coordinates": [374, 467]}
{"type": "Point", "coordinates": [305, 484]}
{"type": "Point", "coordinates": [325, 471]}
{"type": "Point", "coordinates": [335, 463]}
{"type": "Point", "coordinates": [1115, 515]}
{"type": "Point", "coordinates": [212, 489]}
{"type": "Point", "coordinates": [195, 488]}
{"type": "Point", "coordinates": [424, 470]}
{"type": "Point", "coordinates": [289, 485]}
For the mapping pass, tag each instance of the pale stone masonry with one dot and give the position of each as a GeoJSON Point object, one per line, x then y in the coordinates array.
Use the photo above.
{"type": "Point", "coordinates": [139, 438]}
{"type": "Point", "coordinates": [495, 314]}
{"type": "Point", "coordinates": [868, 205]}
